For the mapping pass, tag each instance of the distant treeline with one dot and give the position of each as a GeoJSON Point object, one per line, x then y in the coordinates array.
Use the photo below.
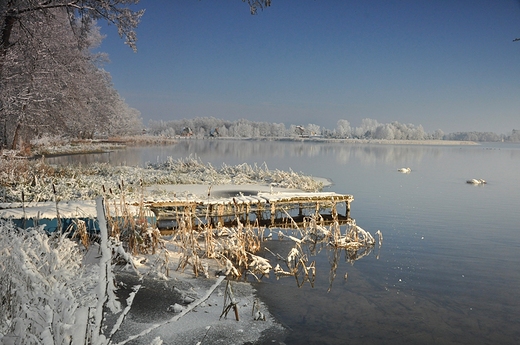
{"type": "Point", "coordinates": [484, 136]}
{"type": "Point", "coordinates": [201, 127]}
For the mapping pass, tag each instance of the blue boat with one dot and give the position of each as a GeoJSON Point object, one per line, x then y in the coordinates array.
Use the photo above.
{"type": "Point", "coordinates": [65, 216]}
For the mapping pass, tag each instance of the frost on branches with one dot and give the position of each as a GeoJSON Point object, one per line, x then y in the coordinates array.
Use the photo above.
{"type": "Point", "coordinates": [46, 290]}
{"type": "Point", "coordinates": [50, 295]}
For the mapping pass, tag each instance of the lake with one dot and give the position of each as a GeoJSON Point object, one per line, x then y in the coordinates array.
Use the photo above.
{"type": "Point", "coordinates": [449, 268]}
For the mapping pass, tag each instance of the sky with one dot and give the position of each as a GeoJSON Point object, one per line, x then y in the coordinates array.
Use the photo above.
{"type": "Point", "coordinates": [449, 65]}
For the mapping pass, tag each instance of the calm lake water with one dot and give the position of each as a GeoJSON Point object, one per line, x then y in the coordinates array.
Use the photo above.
{"type": "Point", "coordinates": [449, 268]}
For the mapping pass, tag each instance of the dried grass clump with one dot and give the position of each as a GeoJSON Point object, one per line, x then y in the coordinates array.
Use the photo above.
{"type": "Point", "coordinates": [142, 140]}
{"type": "Point", "coordinates": [14, 172]}
{"type": "Point", "coordinates": [81, 233]}
{"type": "Point", "coordinates": [235, 248]}
{"type": "Point", "coordinates": [131, 225]}
{"type": "Point", "coordinates": [314, 236]}
{"type": "Point", "coordinates": [85, 182]}
{"type": "Point", "coordinates": [192, 170]}
{"type": "Point", "coordinates": [238, 246]}
{"type": "Point", "coordinates": [296, 262]}
{"type": "Point", "coordinates": [49, 140]}
{"type": "Point", "coordinates": [355, 237]}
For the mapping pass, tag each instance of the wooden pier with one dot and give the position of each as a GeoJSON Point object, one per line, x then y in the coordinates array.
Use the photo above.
{"type": "Point", "coordinates": [279, 209]}
{"type": "Point", "coordinates": [264, 209]}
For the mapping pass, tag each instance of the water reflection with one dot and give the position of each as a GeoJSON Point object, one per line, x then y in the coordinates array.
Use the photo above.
{"type": "Point", "coordinates": [351, 240]}
{"type": "Point", "coordinates": [121, 157]}
{"type": "Point", "coordinates": [449, 266]}
{"type": "Point", "coordinates": [260, 151]}
{"type": "Point", "coordinates": [298, 266]}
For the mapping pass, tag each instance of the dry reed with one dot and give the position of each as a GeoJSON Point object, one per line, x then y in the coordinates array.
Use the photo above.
{"type": "Point", "coordinates": [235, 248]}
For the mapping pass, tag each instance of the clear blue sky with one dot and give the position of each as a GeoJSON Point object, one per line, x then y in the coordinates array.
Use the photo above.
{"type": "Point", "coordinates": [443, 64]}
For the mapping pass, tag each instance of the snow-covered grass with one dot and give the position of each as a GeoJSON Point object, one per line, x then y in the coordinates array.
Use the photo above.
{"type": "Point", "coordinates": [51, 145]}
{"type": "Point", "coordinates": [142, 140]}
{"type": "Point", "coordinates": [51, 295]}
{"type": "Point", "coordinates": [38, 181]}
{"type": "Point", "coordinates": [46, 289]}
{"type": "Point", "coordinates": [75, 147]}
{"type": "Point", "coordinates": [50, 141]}
{"type": "Point", "coordinates": [55, 290]}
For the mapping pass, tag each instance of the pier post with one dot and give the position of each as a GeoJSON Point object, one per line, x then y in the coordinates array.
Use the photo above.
{"type": "Point", "coordinates": [273, 213]}
{"type": "Point", "coordinates": [193, 215]}
{"type": "Point", "coordinates": [333, 210]}
{"type": "Point", "coordinates": [248, 211]}
{"type": "Point", "coordinates": [220, 212]}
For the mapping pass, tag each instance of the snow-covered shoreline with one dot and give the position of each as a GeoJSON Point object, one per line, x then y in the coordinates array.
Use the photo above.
{"type": "Point", "coordinates": [362, 141]}
{"type": "Point", "coordinates": [162, 269]}
{"type": "Point", "coordinates": [322, 139]}
{"type": "Point", "coordinates": [186, 308]}
{"type": "Point", "coordinates": [40, 182]}
{"type": "Point", "coordinates": [60, 147]}
{"type": "Point", "coordinates": [203, 322]}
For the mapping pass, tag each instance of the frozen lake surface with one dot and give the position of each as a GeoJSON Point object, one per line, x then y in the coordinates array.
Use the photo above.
{"type": "Point", "coordinates": [448, 270]}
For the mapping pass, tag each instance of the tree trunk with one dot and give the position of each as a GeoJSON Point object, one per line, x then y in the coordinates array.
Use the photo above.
{"type": "Point", "coordinates": [7, 28]}
{"type": "Point", "coordinates": [16, 135]}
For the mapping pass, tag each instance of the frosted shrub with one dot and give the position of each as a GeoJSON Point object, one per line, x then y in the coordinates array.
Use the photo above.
{"type": "Point", "coordinates": [46, 291]}
{"type": "Point", "coordinates": [49, 140]}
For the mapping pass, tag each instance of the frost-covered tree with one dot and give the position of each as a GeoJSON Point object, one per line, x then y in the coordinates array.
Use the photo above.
{"type": "Point", "coordinates": [279, 130]}
{"type": "Point", "coordinates": [343, 128]}
{"type": "Point", "coordinates": [368, 126]}
{"type": "Point", "coordinates": [369, 129]}
{"type": "Point", "coordinates": [384, 131]}
{"type": "Point", "coordinates": [15, 14]}
{"type": "Point", "coordinates": [313, 129]}
{"type": "Point", "coordinates": [125, 120]}
{"type": "Point", "coordinates": [515, 136]}
{"type": "Point", "coordinates": [49, 81]}
{"type": "Point", "coordinates": [254, 5]}
{"type": "Point", "coordinates": [474, 136]}
{"type": "Point", "coordinates": [52, 87]}
{"type": "Point", "coordinates": [37, 77]}
{"type": "Point", "coordinates": [418, 133]}
{"type": "Point", "coordinates": [243, 129]}
{"type": "Point", "coordinates": [264, 129]}
{"type": "Point", "coordinates": [438, 134]}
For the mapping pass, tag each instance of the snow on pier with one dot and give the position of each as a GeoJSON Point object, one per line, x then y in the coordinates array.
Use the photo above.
{"type": "Point", "coordinates": [268, 209]}
{"type": "Point", "coordinates": [264, 208]}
